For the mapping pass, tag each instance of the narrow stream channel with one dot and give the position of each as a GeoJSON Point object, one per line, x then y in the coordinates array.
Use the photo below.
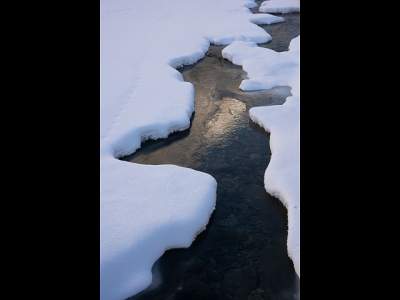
{"type": "Point", "coordinates": [242, 254]}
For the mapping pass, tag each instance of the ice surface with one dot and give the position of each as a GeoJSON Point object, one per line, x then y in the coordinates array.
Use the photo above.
{"type": "Point", "coordinates": [148, 209]}
{"type": "Point", "coordinates": [280, 6]}
{"type": "Point", "coordinates": [265, 69]}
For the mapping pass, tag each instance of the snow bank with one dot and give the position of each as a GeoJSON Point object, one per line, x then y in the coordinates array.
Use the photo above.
{"type": "Point", "coordinates": [158, 207]}
{"type": "Point", "coordinates": [266, 19]}
{"type": "Point", "coordinates": [280, 6]}
{"type": "Point", "coordinates": [265, 69]}
{"type": "Point", "coordinates": [148, 209]}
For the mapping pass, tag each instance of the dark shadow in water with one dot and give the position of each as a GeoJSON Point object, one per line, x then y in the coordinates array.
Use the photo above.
{"type": "Point", "coordinates": [242, 254]}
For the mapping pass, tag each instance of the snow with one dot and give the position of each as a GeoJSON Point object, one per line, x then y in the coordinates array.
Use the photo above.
{"type": "Point", "coordinates": [164, 206]}
{"type": "Point", "coordinates": [265, 19]}
{"type": "Point", "coordinates": [280, 6]}
{"type": "Point", "coordinates": [266, 69]}
{"type": "Point", "coordinates": [145, 209]}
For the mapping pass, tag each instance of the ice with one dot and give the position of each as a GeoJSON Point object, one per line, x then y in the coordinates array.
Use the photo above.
{"type": "Point", "coordinates": [146, 210]}
{"type": "Point", "coordinates": [265, 69]}
{"type": "Point", "coordinates": [280, 6]}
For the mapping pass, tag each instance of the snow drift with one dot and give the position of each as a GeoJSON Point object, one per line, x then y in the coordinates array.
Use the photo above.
{"type": "Point", "coordinates": [266, 19]}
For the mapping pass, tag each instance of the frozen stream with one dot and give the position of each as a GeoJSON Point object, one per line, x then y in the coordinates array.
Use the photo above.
{"type": "Point", "coordinates": [242, 254]}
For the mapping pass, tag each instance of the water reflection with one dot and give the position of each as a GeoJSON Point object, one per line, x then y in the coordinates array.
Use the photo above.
{"type": "Point", "coordinates": [220, 111]}
{"type": "Point", "coordinates": [225, 120]}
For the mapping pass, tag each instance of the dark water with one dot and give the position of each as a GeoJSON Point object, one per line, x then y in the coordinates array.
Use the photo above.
{"type": "Point", "coordinates": [242, 254]}
{"type": "Point", "coordinates": [283, 33]}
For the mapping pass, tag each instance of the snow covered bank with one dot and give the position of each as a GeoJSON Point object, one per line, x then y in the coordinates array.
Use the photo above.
{"type": "Point", "coordinates": [265, 69]}
{"type": "Point", "coordinates": [280, 6]}
{"type": "Point", "coordinates": [148, 209]}
{"type": "Point", "coordinates": [158, 207]}
{"type": "Point", "coordinates": [266, 19]}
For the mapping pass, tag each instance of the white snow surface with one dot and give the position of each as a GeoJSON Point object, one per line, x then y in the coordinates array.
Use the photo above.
{"type": "Point", "coordinates": [267, 19]}
{"type": "Point", "coordinates": [145, 209]}
{"type": "Point", "coordinates": [280, 6]}
{"type": "Point", "coordinates": [265, 69]}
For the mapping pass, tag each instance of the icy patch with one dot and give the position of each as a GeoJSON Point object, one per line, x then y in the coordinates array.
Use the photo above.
{"type": "Point", "coordinates": [280, 6]}
{"type": "Point", "coordinates": [146, 210]}
{"type": "Point", "coordinates": [265, 69]}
